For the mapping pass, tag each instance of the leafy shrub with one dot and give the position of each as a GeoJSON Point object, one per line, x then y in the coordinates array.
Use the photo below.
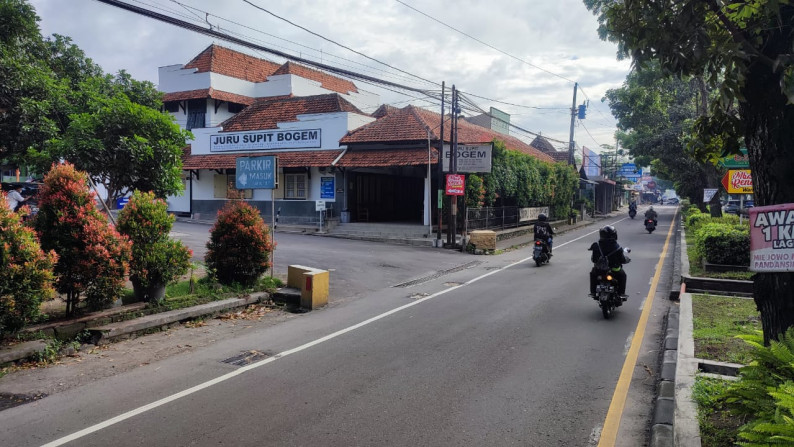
{"type": "Point", "coordinates": [693, 220]}
{"type": "Point", "coordinates": [26, 276]}
{"type": "Point", "coordinates": [240, 245]}
{"type": "Point", "coordinates": [764, 392]}
{"type": "Point", "coordinates": [720, 243]}
{"type": "Point", "coordinates": [156, 259]}
{"type": "Point", "coordinates": [92, 256]}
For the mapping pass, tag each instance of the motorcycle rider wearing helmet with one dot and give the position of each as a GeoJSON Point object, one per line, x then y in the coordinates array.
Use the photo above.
{"type": "Point", "coordinates": [608, 245]}
{"type": "Point", "coordinates": [651, 214]}
{"type": "Point", "coordinates": [544, 231]}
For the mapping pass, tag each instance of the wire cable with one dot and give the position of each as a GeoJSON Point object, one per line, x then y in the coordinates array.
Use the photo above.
{"type": "Point", "coordinates": [337, 43]}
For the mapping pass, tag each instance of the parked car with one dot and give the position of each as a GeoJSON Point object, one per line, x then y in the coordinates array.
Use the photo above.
{"type": "Point", "coordinates": [732, 207]}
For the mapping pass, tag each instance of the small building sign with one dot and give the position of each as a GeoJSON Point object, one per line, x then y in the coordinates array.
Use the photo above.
{"type": "Point", "coordinates": [772, 238]}
{"type": "Point", "coordinates": [741, 160]}
{"type": "Point", "coordinates": [319, 205]}
{"type": "Point", "coordinates": [471, 158]}
{"type": "Point", "coordinates": [327, 188]}
{"type": "Point", "coordinates": [256, 173]}
{"type": "Point", "coordinates": [456, 184]}
{"type": "Point", "coordinates": [708, 194]}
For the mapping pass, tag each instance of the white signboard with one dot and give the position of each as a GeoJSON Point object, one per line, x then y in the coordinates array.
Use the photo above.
{"type": "Point", "coordinates": [772, 238]}
{"type": "Point", "coordinates": [319, 205]}
{"type": "Point", "coordinates": [471, 158]}
{"type": "Point", "coordinates": [708, 194]}
{"type": "Point", "coordinates": [532, 213]}
{"type": "Point", "coordinates": [265, 139]}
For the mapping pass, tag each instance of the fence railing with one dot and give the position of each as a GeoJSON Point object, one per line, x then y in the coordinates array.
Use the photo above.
{"type": "Point", "coordinates": [491, 218]}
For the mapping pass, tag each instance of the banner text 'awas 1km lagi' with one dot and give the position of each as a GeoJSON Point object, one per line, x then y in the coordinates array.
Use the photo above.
{"type": "Point", "coordinates": [772, 238]}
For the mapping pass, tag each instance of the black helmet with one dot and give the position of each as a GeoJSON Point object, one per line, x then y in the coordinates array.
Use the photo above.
{"type": "Point", "coordinates": [542, 217]}
{"type": "Point", "coordinates": [608, 232]}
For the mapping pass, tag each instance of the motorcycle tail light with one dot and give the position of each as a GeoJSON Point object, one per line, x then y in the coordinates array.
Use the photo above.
{"type": "Point", "coordinates": [609, 277]}
{"type": "Point", "coordinates": [537, 242]}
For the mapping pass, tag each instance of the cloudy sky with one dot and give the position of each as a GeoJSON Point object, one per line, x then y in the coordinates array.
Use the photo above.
{"type": "Point", "coordinates": [524, 53]}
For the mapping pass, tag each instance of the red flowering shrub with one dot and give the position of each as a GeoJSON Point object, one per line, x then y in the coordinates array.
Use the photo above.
{"type": "Point", "coordinates": [240, 245]}
{"type": "Point", "coordinates": [25, 272]}
{"type": "Point", "coordinates": [156, 259]}
{"type": "Point", "coordinates": [92, 256]}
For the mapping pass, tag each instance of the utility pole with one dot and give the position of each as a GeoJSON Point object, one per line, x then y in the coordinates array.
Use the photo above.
{"type": "Point", "coordinates": [571, 159]}
{"type": "Point", "coordinates": [452, 233]}
{"type": "Point", "coordinates": [440, 179]}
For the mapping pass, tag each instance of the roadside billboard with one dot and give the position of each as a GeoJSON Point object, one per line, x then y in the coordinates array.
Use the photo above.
{"type": "Point", "coordinates": [772, 238]}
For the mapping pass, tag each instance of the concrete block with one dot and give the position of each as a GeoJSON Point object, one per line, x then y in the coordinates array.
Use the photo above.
{"type": "Point", "coordinates": [670, 356]}
{"type": "Point", "coordinates": [313, 283]}
{"type": "Point", "coordinates": [483, 239]}
{"type": "Point", "coordinates": [69, 331]}
{"type": "Point", "coordinates": [668, 371]}
{"type": "Point", "coordinates": [666, 389]}
{"type": "Point", "coordinates": [671, 342]}
{"type": "Point", "coordinates": [661, 435]}
{"type": "Point", "coordinates": [21, 351]}
{"type": "Point", "coordinates": [663, 412]}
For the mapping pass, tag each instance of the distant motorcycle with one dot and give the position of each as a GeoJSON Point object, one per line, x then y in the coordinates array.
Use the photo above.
{"type": "Point", "coordinates": [540, 253]}
{"type": "Point", "coordinates": [650, 225]}
{"type": "Point", "coordinates": [632, 213]}
{"type": "Point", "coordinates": [607, 290]}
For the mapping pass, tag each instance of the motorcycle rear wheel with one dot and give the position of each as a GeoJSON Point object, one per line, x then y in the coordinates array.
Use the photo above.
{"type": "Point", "coordinates": [606, 309]}
{"type": "Point", "coordinates": [538, 262]}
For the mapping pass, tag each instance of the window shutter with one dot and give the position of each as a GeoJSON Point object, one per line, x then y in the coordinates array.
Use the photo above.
{"type": "Point", "coordinates": [279, 193]}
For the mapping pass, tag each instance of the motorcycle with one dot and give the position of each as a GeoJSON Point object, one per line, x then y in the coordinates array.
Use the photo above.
{"type": "Point", "coordinates": [540, 253]}
{"type": "Point", "coordinates": [650, 225]}
{"type": "Point", "coordinates": [607, 290]}
{"type": "Point", "coordinates": [632, 213]}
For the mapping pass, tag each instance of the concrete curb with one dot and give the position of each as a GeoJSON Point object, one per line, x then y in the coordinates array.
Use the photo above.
{"type": "Point", "coordinates": [663, 422]}
{"type": "Point", "coordinates": [21, 351]}
{"type": "Point", "coordinates": [103, 334]}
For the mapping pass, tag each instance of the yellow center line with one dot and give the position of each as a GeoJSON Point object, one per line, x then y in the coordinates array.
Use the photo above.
{"type": "Point", "coordinates": [609, 433]}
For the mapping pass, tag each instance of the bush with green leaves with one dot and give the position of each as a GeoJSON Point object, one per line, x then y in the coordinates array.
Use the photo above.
{"type": "Point", "coordinates": [156, 258]}
{"type": "Point", "coordinates": [26, 277]}
{"type": "Point", "coordinates": [764, 393]}
{"type": "Point", "coordinates": [240, 245]}
{"type": "Point", "coordinates": [721, 243]}
{"type": "Point", "coordinates": [93, 258]}
{"type": "Point", "coordinates": [694, 220]}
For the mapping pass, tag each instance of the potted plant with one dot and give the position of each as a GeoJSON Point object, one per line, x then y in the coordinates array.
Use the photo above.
{"type": "Point", "coordinates": [156, 259]}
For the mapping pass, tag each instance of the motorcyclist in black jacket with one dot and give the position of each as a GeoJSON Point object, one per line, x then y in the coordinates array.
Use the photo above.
{"type": "Point", "coordinates": [544, 231]}
{"type": "Point", "coordinates": [651, 214]}
{"type": "Point", "coordinates": [608, 245]}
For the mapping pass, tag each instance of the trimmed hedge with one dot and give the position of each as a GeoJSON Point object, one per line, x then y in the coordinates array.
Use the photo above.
{"type": "Point", "coordinates": [723, 243]}
{"type": "Point", "coordinates": [694, 220]}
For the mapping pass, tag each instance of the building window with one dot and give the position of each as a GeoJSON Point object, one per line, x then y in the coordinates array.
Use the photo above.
{"type": "Point", "coordinates": [295, 186]}
{"type": "Point", "coordinates": [196, 113]}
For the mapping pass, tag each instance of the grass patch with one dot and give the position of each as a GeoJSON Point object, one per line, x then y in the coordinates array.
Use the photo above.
{"type": "Point", "coordinates": [718, 428]}
{"type": "Point", "coordinates": [717, 320]}
{"type": "Point", "coordinates": [179, 295]}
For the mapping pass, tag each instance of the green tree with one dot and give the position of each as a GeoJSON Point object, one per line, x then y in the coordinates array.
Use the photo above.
{"type": "Point", "coordinates": [126, 146]}
{"type": "Point", "coordinates": [655, 114]}
{"type": "Point", "coordinates": [744, 51]}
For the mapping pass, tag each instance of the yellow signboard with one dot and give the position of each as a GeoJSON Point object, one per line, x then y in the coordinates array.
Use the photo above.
{"type": "Point", "coordinates": [738, 181]}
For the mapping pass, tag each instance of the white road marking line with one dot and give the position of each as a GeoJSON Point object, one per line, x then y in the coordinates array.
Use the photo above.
{"type": "Point", "coordinates": [627, 345]}
{"type": "Point", "coordinates": [140, 410]}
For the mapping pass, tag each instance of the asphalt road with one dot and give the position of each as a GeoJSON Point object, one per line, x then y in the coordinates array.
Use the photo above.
{"type": "Point", "coordinates": [500, 353]}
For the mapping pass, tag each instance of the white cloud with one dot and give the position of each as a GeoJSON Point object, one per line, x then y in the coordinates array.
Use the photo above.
{"type": "Point", "coordinates": [556, 35]}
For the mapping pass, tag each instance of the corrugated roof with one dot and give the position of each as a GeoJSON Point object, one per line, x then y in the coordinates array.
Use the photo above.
{"type": "Point", "coordinates": [410, 124]}
{"type": "Point", "coordinates": [266, 113]}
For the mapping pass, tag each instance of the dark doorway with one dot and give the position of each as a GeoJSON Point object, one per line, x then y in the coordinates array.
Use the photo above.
{"type": "Point", "coordinates": [387, 198]}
